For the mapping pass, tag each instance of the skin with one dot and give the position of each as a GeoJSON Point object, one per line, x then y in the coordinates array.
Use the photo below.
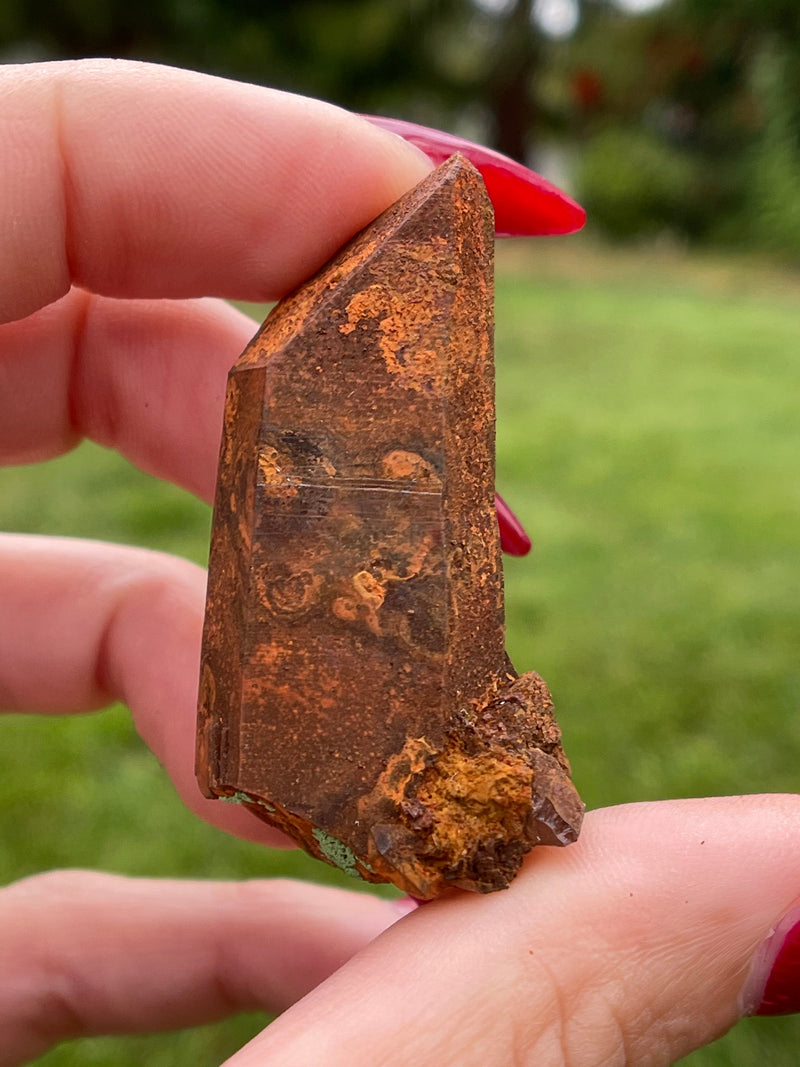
{"type": "Point", "coordinates": [129, 195]}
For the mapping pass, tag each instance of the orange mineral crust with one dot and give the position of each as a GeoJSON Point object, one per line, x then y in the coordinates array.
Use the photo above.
{"type": "Point", "coordinates": [355, 690]}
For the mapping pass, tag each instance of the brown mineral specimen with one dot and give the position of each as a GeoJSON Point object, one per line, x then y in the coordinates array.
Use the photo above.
{"type": "Point", "coordinates": [355, 690]}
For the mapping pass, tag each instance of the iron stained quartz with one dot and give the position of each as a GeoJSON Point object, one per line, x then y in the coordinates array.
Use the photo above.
{"type": "Point", "coordinates": [355, 690]}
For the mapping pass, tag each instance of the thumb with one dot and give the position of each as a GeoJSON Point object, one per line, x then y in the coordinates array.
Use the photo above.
{"type": "Point", "coordinates": [636, 945]}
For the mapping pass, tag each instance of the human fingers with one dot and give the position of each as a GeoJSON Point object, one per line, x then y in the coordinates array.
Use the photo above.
{"type": "Point", "coordinates": [132, 179]}
{"type": "Point", "coordinates": [139, 180]}
{"type": "Point", "coordinates": [85, 953]}
{"type": "Point", "coordinates": [525, 203]}
{"type": "Point", "coordinates": [633, 946]}
{"type": "Point", "coordinates": [144, 377]}
{"type": "Point", "coordinates": [84, 623]}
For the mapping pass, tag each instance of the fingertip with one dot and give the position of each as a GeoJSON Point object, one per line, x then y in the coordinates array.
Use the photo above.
{"type": "Point", "coordinates": [525, 203]}
{"type": "Point", "coordinates": [410, 161]}
{"type": "Point", "coordinates": [238, 821]}
{"type": "Point", "coordinates": [773, 981]}
{"type": "Point", "coordinates": [406, 905]}
{"type": "Point", "coordinates": [136, 180]}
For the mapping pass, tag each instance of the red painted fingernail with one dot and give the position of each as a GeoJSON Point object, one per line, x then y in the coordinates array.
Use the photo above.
{"type": "Point", "coordinates": [773, 985]}
{"type": "Point", "coordinates": [525, 204]}
{"type": "Point", "coordinates": [782, 992]}
{"type": "Point", "coordinates": [513, 538]}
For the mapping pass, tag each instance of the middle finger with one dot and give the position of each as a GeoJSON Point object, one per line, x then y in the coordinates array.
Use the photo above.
{"type": "Point", "coordinates": [146, 377]}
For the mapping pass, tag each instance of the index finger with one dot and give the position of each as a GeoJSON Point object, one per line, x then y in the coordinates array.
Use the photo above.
{"type": "Point", "coordinates": [135, 180]}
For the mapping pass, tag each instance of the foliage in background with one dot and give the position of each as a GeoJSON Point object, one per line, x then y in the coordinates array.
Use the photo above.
{"type": "Point", "coordinates": [658, 473]}
{"type": "Point", "coordinates": [686, 116]}
{"type": "Point", "coordinates": [633, 185]}
{"type": "Point", "coordinates": [774, 173]}
{"type": "Point", "coordinates": [647, 435]}
{"type": "Point", "coordinates": [701, 100]}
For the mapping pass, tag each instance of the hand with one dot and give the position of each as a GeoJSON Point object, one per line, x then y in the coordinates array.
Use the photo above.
{"type": "Point", "coordinates": [134, 190]}
{"type": "Point", "coordinates": [146, 183]}
{"type": "Point", "coordinates": [640, 943]}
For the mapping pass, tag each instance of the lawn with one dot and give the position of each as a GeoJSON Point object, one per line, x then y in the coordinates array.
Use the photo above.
{"type": "Point", "coordinates": [648, 436]}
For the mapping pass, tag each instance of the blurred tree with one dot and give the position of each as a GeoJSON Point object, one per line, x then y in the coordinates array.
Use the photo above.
{"type": "Point", "coordinates": [510, 82]}
{"type": "Point", "coordinates": [429, 60]}
{"type": "Point", "coordinates": [352, 51]}
{"type": "Point", "coordinates": [701, 100]}
{"type": "Point", "coordinates": [681, 125]}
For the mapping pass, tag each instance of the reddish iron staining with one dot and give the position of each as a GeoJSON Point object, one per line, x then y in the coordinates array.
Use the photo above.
{"type": "Point", "coordinates": [355, 690]}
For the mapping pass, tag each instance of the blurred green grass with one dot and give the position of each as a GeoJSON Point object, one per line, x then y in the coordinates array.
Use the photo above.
{"type": "Point", "coordinates": [648, 437]}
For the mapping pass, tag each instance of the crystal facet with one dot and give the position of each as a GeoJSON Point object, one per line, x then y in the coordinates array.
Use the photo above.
{"type": "Point", "coordinates": [355, 690]}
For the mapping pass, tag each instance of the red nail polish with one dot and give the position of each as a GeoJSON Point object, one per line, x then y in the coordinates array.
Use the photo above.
{"type": "Point", "coordinates": [525, 204]}
{"type": "Point", "coordinates": [513, 539]}
{"type": "Point", "coordinates": [780, 958]}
